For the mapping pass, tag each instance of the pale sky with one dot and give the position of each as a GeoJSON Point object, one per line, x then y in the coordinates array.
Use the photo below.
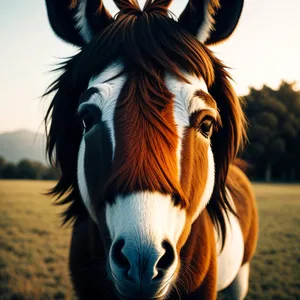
{"type": "Point", "coordinates": [264, 49]}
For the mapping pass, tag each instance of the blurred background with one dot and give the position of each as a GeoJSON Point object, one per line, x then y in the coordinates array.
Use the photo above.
{"type": "Point", "coordinates": [263, 56]}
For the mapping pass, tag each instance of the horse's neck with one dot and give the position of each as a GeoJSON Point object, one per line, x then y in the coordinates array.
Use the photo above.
{"type": "Point", "coordinates": [199, 250]}
{"type": "Point", "coordinates": [231, 256]}
{"type": "Point", "coordinates": [204, 245]}
{"type": "Point", "coordinates": [87, 262]}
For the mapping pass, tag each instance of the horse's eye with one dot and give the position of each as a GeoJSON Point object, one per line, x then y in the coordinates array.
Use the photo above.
{"type": "Point", "coordinates": [87, 120]}
{"type": "Point", "coordinates": [206, 127]}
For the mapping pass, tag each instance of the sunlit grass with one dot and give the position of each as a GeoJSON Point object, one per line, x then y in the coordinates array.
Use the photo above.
{"type": "Point", "coordinates": [34, 249]}
{"type": "Point", "coordinates": [275, 271]}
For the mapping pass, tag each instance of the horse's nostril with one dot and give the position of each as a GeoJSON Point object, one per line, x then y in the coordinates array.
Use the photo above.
{"type": "Point", "coordinates": [159, 276]}
{"type": "Point", "coordinates": [118, 257]}
{"type": "Point", "coordinates": [168, 258]}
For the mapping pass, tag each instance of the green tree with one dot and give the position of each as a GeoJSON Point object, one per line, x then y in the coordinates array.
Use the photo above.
{"type": "Point", "coordinates": [290, 129]}
{"type": "Point", "coordinates": [27, 169]}
{"type": "Point", "coordinates": [274, 119]}
{"type": "Point", "coordinates": [10, 171]}
{"type": "Point", "coordinates": [50, 174]}
{"type": "Point", "coordinates": [2, 165]}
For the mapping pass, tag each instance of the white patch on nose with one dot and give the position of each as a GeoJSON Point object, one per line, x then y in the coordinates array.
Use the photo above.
{"type": "Point", "coordinates": [150, 215]}
{"type": "Point", "coordinates": [146, 220]}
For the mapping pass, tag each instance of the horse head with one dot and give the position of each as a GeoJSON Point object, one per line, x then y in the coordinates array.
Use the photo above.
{"type": "Point", "coordinates": [144, 124]}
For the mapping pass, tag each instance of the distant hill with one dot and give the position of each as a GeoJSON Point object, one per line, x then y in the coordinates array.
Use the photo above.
{"type": "Point", "coordinates": [21, 144]}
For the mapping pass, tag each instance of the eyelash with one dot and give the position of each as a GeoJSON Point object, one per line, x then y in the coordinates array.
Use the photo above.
{"type": "Point", "coordinates": [210, 123]}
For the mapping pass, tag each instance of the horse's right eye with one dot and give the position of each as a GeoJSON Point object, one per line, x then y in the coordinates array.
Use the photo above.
{"type": "Point", "coordinates": [87, 120]}
{"type": "Point", "coordinates": [89, 115]}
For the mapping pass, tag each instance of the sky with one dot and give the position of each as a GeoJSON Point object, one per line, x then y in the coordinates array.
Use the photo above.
{"type": "Point", "coordinates": [264, 49]}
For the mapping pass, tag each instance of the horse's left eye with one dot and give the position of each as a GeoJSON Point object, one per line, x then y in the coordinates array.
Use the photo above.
{"type": "Point", "coordinates": [206, 126]}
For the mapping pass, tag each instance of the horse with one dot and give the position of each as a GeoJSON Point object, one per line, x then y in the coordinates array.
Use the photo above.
{"type": "Point", "coordinates": [145, 126]}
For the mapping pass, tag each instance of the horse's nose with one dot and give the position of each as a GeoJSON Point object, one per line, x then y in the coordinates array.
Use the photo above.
{"type": "Point", "coordinates": [141, 264]}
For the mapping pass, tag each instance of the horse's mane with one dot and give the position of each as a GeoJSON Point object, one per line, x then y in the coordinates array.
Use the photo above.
{"type": "Point", "coordinates": [148, 42]}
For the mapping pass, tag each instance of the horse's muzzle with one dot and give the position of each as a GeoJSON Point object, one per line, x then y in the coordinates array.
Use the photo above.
{"type": "Point", "coordinates": [141, 271]}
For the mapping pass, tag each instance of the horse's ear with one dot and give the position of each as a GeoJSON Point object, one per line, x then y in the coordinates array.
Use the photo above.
{"type": "Point", "coordinates": [77, 21]}
{"type": "Point", "coordinates": [212, 21]}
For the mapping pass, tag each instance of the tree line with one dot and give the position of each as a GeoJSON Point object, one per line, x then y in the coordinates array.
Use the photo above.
{"type": "Point", "coordinates": [273, 148]}
{"type": "Point", "coordinates": [26, 169]}
{"type": "Point", "coordinates": [272, 152]}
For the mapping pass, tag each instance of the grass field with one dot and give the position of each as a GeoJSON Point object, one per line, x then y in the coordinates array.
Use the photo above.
{"type": "Point", "coordinates": [34, 250]}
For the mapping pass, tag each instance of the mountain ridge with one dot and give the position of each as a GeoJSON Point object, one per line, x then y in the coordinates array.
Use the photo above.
{"type": "Point", "coordinates": [23, 144]}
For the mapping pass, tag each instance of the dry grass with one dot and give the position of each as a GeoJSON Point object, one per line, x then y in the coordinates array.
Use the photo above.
{"type": "Point", "coordinates": [34, 250]}
{"type": "Point", "coordinates": [275, 271]}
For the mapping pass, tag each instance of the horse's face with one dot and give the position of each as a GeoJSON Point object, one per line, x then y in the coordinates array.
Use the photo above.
{"type": "Point", "coordinates": [145, 167]}
{"type": "Point", "coordinates": [147, 180]}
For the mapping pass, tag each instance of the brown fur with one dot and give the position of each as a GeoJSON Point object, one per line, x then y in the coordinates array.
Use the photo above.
{"type": "Point", "coordinates": [147, 141]}
{"type": "Point", "coordinates": [206, 97]}
{"type": "Point", "coordinates": [198, 256]}
{"type": "Point", "coordinates": [194, 170]}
